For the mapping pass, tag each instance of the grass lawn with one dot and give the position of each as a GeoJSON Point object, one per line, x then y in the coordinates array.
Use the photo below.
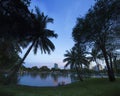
{"type": "Point", "coordinates": [89, 87]}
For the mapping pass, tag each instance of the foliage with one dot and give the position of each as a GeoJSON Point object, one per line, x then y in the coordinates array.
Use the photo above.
{"type": "Point", "coordinates": [15, 22]}
{"type": "Point", "coordinates": [117, 66]}
{"type": "Point", "coordinates": [70, 58]}
{"type": "Point", "coordinates": [44, 68]}
{"type": "Point", "coordinates": [20, 28]}
{"type": "Point", "coordinates": [75, 58]}
{"type": "Point", "coordinates": [8, 58]}
{"type": "Point", "coordinates": [96, 29]}
{"type": "Point", "coordinates": [40, 38]}
{"type": "Point", "coordinates": [34, 68]}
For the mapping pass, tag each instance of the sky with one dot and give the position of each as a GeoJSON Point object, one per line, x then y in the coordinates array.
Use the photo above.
{"type": "Point", "coordinates": [65, 14]}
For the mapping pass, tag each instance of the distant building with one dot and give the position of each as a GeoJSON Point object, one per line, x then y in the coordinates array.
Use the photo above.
{"type": "Point", "coordinates": [56, 66]}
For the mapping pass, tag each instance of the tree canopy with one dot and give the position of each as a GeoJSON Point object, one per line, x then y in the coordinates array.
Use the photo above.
{"type": "Point", "coordinates": [19, 27]}
{"type": "Point", "coordinates": [97, 29]}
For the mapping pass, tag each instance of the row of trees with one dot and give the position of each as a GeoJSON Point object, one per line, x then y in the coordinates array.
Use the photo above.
{"type": "Point", "coordinates": [97, 33]}
{"type": "Point", "coordinates": [41, 69]}
{"type": "Point", "coordinates": [20, 28]}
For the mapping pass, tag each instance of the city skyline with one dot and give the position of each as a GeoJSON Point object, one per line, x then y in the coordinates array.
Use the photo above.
{"type": "Point", "coordinates": [64, 13]}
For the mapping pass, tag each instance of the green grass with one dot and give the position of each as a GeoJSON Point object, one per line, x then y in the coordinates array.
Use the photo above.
{"type": "Point", "coordinates": [89, 87]}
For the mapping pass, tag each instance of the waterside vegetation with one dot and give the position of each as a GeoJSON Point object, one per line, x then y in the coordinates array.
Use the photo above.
{"type": "Point", "coordinates": [98, 32]}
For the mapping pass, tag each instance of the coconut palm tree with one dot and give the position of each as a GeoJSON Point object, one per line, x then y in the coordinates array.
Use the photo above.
{"type": "Point", "coordinates": [70, 59]}
{"type": "Point", "coordinates": [75, 61]}
{"type": "Point", "coordinates": [94, 56]}
{"type": "Point", "coordinates": [40, 38]}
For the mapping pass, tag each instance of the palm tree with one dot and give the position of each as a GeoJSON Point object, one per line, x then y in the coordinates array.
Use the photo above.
{"type": "Point", "coordinates": [94, 55]}
{"type": "Point", "coordinates": [40, 38]}
{"type": "Point", "coordinates": [80, 52]}
{"type": "Point", "coordinates": [70, 59]}
{"type": "Point", "coordinates": [73, 60]}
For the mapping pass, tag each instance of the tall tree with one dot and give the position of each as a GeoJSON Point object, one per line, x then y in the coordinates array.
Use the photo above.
{"type": "Point", "coordinates": [95, 54]}
{"type": "Point", "coordinates": [96, 28]}
{"type": "Point", "coordinates": [40, 38]}
{"type": "Point", "coordinates": [16, 21]}
{"type": "Point", "coordinates": [71, 60]}
{"type": "Point", "coordinates": [75, 59]}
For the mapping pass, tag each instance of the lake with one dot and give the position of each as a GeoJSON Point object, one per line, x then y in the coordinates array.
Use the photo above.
{"type": "Point", "coordinates": [46, 79]}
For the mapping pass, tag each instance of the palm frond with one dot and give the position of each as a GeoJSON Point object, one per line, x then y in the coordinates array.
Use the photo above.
{"type": "Point", "coordinates": [36, 46]}
{"type": "Point", "coordinates": [50, 33]}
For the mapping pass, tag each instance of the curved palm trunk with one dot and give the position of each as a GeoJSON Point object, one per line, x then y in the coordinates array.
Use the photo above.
{"type": "Point", "coordinates": [17, 67]}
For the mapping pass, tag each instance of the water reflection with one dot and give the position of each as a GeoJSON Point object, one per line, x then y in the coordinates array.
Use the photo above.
{"type": "Point", "coordinates": [45, 79]}
{"type": "Point", "coordinates": [44, 75]}
{"type": "Point", "coordinates": [74, 77]}
{"type": "Point", "coordinates": [55, 78]}
{"type": "Point", "coordinates": [51, 78]}
{"type": "Point", "coordinates": [33, 74]}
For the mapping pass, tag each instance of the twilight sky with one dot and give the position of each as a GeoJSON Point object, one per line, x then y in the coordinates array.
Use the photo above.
{"type": "Point", "coordinates": [64, 13]}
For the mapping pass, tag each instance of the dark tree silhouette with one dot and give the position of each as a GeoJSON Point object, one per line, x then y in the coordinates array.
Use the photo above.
{"type": "Point", "coordinates": [75, 59]}
{"type": "Point", "coordinates": [39, 39]}
{"type": "Point", "coordinates": [96, 29]}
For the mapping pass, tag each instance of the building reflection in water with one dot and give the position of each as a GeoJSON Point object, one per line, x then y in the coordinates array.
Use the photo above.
{"type": "Point", "coordinates": [46, 79]}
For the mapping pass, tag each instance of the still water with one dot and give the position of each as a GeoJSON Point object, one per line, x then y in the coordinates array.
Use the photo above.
{"type": "Point", "coordinates": [45, 79]}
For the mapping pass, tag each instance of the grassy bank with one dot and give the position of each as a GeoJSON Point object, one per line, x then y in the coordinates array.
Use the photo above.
{"type": "Point", "coordinates": [90, 87]}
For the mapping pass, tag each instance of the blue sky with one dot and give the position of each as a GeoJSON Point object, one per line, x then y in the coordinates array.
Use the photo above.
{"type": "Point", "coordinates": [64, 13]}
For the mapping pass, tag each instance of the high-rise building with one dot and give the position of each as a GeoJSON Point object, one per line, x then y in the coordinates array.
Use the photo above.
{"type": "Point", "coordinates": [56, 66]}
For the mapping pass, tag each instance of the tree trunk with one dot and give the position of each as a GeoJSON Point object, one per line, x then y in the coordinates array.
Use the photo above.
{"type": "Point", "coordinates": [81, 70]}
{"type": "Point", "coordinates": [115, 65]}
{"type": "Point", "coordinates": [16, 68]}
{"type": "Point", "coordinates": [109, 69]}
{"type": "Point", "coordinates": [111, 63]}
{"type": "Point", "coordinates": [80, 77]}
